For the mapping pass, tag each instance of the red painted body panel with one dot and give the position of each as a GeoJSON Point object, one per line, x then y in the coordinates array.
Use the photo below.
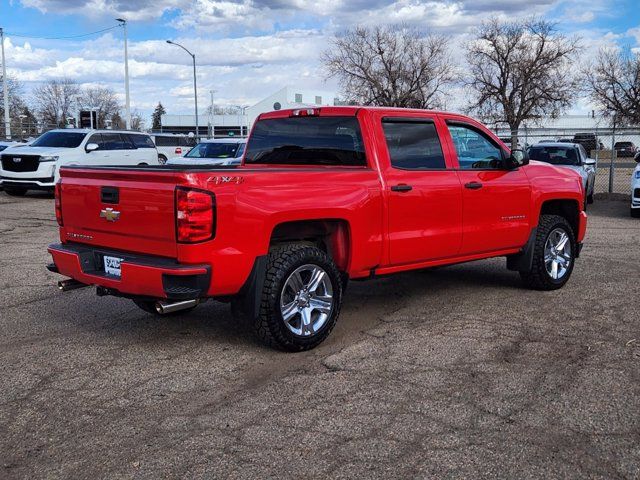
{"type": "Point", "coordinates": [438, 222]}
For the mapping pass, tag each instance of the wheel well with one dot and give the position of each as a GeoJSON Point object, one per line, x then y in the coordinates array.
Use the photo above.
{"type": "Point", "coordinates": [568, 209]}
{"type": "Point", "coordinates": [331, 236]}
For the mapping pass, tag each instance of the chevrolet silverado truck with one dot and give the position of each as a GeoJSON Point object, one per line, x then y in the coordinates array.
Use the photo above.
{"type": "Point", "coordinates": [322, 196]}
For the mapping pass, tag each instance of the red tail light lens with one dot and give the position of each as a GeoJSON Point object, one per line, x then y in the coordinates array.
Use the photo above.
{"type": "Point", "coordinates": [58, 195]}
{"type": "Point", "coordinates": [195, 215]}
{"type": "Point", "coordinates": [178, 150]}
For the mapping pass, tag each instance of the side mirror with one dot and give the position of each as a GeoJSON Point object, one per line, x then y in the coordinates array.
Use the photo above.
{"type": "Point", "coordinates": [518, 158]}
{"type": "Point", "coordinates": [637, 157]}
{"type": "Point", "coordinates": [90, 147]}
{"type": "Point", "coordinates": [589, 161]}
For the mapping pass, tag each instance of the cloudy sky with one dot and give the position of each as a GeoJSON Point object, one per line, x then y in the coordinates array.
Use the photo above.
{"type": "Point", "coordinates": [247, 49]}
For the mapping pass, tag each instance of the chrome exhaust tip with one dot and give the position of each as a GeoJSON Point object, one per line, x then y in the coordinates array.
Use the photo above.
{"type": "Point", "coordinates": [70, 284]}
{"type": "Point", "coordinates": [164, 308]}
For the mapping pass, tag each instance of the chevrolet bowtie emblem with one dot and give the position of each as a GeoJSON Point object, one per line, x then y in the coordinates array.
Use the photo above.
{"type": "Point", "coordinates": [109, 214]}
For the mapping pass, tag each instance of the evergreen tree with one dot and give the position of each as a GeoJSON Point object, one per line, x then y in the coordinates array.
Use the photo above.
{"type": "Point", "coordinates": [157, 116]}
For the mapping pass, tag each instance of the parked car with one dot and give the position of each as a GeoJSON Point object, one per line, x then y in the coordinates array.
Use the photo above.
{"type": "Point", "coordinates": [547, 141]}
{"type": "Point", "coordinates": [170, 145]}
{"type": "Point", "coordinates": [223, 151]}
{"type": "Point", "coordinates": [635, 188]}
{"type": "Point", "coordinates": [565, 140]}
{"type": "Point", "coordinates": [322, 196]}
{"type": "Point", "coordinates": [37, 166]}
{"type": "Point", "coordinates": [625, 149]}
{"type": "Point", "coordinates": [6, 144]}
{"type": "Point", "coordinates": [568, 155]}
{"type": "Point", "coordinates": [589, 141]}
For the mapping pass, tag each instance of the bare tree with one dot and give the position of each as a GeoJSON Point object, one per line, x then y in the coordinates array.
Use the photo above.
{"type": "Point", "coordinates": [16, 101]}
{"type": "Point", "coordinates": [55, 100]}
{"type": "Point", "coordinates": [137, 121]}
{"type": "Point", "coordinates": [613, 82]}
{"type": "Point", "coordinates": [521, 71]}
{"type": "Point", "coordinates": [391, 66]}
{"type": "Point", "coordinates": [101, 99]}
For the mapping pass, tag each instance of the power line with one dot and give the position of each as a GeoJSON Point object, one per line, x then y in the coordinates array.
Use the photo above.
{"type": "Point", "coordinates": [65, 37]}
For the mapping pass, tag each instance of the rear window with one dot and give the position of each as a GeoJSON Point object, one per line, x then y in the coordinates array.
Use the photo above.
{"type": "Point", "coordinates": [141, 141]}
{"type": "Point", "coordinates": [306, 141]}
{"type": "Point", "coordinates": [59, 139]}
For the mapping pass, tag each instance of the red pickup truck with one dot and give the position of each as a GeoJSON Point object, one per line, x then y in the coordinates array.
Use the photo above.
{"type": "Point", "coordinates": [322, 196]}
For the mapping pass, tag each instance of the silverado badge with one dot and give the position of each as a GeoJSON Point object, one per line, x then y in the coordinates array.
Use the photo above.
{"type": "Point", "coordinates": [109, 214]}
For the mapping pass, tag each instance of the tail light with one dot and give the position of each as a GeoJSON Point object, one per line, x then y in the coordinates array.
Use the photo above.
{"type": "Point", "coordinates": [195, 215]}
{"type": "Point", "coordinates": [178, 151]}
{"type": "Point", "coordinates": [58, 202]}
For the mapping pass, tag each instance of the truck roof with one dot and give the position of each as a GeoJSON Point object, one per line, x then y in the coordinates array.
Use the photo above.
{"type": "Point", "coordinates": [351, 111]}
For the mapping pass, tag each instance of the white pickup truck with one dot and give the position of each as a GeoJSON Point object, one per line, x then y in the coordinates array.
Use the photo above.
{"type": "Point", "coordinates": [37, 166]}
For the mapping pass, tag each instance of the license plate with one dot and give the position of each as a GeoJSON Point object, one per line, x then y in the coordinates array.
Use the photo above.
{"type": "Point", "coordinates": [112, 265]}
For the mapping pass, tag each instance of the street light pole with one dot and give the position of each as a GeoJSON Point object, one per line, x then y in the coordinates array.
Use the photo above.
{"type": "Point", "coordinates": [195, 87]}
{"type": "Point", "coordinates": [127, 118]}
{"type": "Point", "coordinates": [5, 91]}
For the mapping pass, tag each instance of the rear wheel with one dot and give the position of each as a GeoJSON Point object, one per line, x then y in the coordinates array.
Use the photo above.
{"type": "Point", "coordinates": [301, 298]}
{"type": "Point", "coordinates": [162, 159]}
{"type": "Point", "coordinates": [16, 191]}
{"type": "Point", "coordinates": [149, 306]}
{"type": "Point", "coordinates": [553, 255]}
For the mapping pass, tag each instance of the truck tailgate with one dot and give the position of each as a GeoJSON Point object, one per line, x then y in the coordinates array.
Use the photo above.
{"type": "Point", "coordinates": [130, 210]}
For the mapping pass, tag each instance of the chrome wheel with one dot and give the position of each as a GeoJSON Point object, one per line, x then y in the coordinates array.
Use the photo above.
{"type": "Point", "coordinates": [557, 253]}
{"type": "Point", "coordinates": [306, 301]}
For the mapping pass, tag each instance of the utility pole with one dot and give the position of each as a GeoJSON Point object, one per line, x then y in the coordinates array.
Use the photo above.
{"type": "Point", "coordinates": [195, 87]}
{"type": "Point", "coordinates": [127, 115]}
{"type": "Point", "coordinates": [5, 91]}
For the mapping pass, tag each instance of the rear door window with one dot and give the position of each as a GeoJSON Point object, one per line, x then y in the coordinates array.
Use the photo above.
{"type": "Point", "coordinates": [413, 145]}
{"type": "Point", "coordinates": [306, 141]}
{"type": "Point", "coordinates": [115, 141]}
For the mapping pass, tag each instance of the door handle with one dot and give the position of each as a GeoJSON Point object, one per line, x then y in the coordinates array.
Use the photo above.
{"type": "Point", "coordinates": [401, 188]}
{"type": "Point", "coordinates": [473, 185]}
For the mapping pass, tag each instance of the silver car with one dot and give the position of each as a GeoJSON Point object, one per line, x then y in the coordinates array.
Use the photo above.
{"type": "Point", "coordinates": [568, 155]}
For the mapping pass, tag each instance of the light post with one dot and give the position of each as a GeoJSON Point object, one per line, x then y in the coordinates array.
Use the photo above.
{"type": "Point", "coordinates": [195, 88]}
{"type": "Point", "coordinates": [21, 117]}
{"type": "Point", "coordinates": [127, 107]}
{"type": "Point", "coordinates": [5, 91]}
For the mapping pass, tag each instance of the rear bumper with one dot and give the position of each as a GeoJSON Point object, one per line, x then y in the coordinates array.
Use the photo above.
{"type": "Point", "coordinates": [142, 275]}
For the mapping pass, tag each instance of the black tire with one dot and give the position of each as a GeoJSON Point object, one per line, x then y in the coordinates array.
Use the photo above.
{"type": "Point", "coordinates": [149, 306]}
{"type": "Point", "coordinates": [16, 191]}
{"type": "Point", "coordinates": [269, 325]}
{"type": "Point", "coordinates": [539, 278]}
{"type": "Point", "coordinates": [162, 159]}
{"type": "Point", "coordinates": [590, 198]}
{"type": "Point", "coordinates": [634, 212]}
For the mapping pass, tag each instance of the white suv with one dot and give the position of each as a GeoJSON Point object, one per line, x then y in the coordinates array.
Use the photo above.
{"type": "Point", "coordinates": [37, 166]}
{"type": "Point", "coordinates": [635, 189]}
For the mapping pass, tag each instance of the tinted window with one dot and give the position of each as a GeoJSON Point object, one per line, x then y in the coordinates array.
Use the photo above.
{"type": "Point", "coordinates": [555, 155]}
{"type": "Point", "coordinates": [474, 149]}
{"type": "Point", "coordinates": [213, 150]}
{"type": "Point", "coordinates": [114, 141]}
{"type": "Point", "coordinates": [413, 145]}
{"type": "Point", "coordinates": [60, 139]}
{"type": "Point", "coordinates": [95, 138]}
{"type": "Point", "coordinates": [167, 141]}
{"type": "Point", "coordinates": [141, 141]}
{"type": "Point", "coordinates": [2, 147]}
{"type": "Point", "coordinates": [306, 141]}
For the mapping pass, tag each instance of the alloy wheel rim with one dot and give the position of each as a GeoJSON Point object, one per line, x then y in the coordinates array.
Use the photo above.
{"type": "Point", "coordinates": [557, 254]}
{"type": "Point", "coordinates": [306, 301]}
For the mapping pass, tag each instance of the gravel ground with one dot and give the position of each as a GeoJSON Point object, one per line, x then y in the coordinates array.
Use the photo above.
{"type": "Point", "coordinates": [455, 372]}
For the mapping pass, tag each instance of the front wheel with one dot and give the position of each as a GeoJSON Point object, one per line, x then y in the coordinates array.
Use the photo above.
{"type": "Point", "coordinates": [553, 254]}
{"type": "Point", "coordinates": [301, 298]}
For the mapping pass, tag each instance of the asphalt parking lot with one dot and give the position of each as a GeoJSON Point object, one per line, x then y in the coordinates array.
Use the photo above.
{"type": "Point", "coordinates": [456, 372]}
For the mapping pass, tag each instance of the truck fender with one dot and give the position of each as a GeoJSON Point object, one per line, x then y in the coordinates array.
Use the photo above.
{"type": "Point", "coordinates": [523, 261]}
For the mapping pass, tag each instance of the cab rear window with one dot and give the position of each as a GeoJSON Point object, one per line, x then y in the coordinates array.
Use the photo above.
{"type": "Point", "coordinates": [306, 141]}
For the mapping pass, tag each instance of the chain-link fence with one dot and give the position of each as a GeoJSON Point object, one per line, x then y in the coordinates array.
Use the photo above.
{"type": "Point", "coordinates": [23, 131]}
{"type": "Point", "coordinates": [612, 148]}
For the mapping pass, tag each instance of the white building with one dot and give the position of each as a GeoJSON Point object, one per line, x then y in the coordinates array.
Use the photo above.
{"type": "Point", "coordinates": [240, 123]}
